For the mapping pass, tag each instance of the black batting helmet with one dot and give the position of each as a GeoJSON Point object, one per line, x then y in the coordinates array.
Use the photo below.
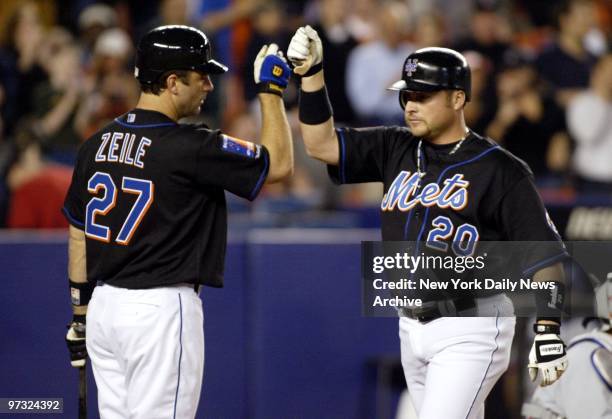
{"type": "Point", "coordinates": [431, 69]}
{"type": "Point", "coordinates": [174, 47]}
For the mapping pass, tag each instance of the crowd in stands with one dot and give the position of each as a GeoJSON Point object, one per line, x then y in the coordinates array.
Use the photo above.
{"type": "Point", "coordinates": [542, 86]}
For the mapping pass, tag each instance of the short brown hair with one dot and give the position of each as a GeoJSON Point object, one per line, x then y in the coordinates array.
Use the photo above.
{"type": "Point", "coordinates": [160, 84]}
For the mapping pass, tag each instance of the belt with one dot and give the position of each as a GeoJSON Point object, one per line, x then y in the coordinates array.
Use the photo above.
{"type": "Point", "coordinates": [437, 309]}
{"type": "Point", "coordinates": [197, 288]}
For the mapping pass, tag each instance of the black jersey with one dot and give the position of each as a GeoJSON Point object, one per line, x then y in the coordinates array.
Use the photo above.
{"type": "Point", "coordinates": [149, 194]}
{"type": "Point", "coordinates": [479, 193]}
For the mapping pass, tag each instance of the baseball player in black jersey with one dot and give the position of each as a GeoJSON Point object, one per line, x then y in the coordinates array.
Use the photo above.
{"type": "Point", "coordinates": [148, 224]}
{"type": "Point", "coordinates": [444, 186]}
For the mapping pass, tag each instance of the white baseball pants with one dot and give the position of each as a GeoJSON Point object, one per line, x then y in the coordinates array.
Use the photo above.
{"type": "Point", "coordinates": [452, 363]}
{"type": "Point", "coordinates": [147, 351]}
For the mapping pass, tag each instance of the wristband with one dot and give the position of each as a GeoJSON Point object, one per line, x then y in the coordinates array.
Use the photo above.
{"type": "Point", "coordinates": [314, 107]}
{"type": "Point", "coordinates": [270, 87]}
{"type": "Point", "coordinates": [540, 329]}
{"type": "Point", "coordinates": [549, 303]}
{"type": "Point", "coordinates": [314, 69]}
{"type": "Point", "coordinates": [80, 292]}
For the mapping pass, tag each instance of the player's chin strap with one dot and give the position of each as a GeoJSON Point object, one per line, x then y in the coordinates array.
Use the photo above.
{"type": "Point", "coordinates": [535, 411]}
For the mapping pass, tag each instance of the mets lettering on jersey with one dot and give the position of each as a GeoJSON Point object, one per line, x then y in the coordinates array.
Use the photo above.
{"type": "Point", "coordinates": [453, 194]}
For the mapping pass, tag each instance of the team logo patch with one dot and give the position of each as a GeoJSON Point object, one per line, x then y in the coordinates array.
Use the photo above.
{"type": "Point", "coordinates": [240, 147]}
{"type": "Point", "coordinates": [411, 66]}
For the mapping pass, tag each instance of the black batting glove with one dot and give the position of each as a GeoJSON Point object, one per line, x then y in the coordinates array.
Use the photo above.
{"type": "Point", "coordinates": [75, 340]}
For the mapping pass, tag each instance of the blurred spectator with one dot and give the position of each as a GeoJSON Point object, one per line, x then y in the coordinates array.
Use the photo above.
{"type": "Point", "coordinates": [225, 13]}
{"type": "Point", "coordinates": [489, 37]}
{"type": "Point", "coordinates": [227, 22]}
{"type": "Point", "coordinates": [6, 159]}
{"type": "Point", "coordinates": [2, 103]}
{"type": "Point", "coordinates": [361, 21]}
{"type": "Point", "coordinates": [528, 122]}
{"type": "Point", "coordinates": [37, 187]}
{"type": "Point", "coordinates": [111, 87]}
{"type": "Point", "coordinates": [55, 103]}
{"type": "Point", "coordinates": [19, 62]}
{"type": "Point", "coordinates": [6, 156]}
{"type": "Point", "coordinates": [138, 13]}
{"type": "Point", "coordinates": [480, 110]}
{"type": "Point", "coordinates": [337, 44]}
{"type": "Point", "coordinates": [283, 203]}
{"type": "Point", "coordinates": [94, 20]}
{"type": "Point", "coordinates": [430, 31]}
{"type": "Point", "coordinates": [170, 12]}
{"type": "Point", "coordinates": [56, 38]}
{"type": "Point", "coordinates": [268, 27]}
{"type": "Point", "coordinates": [537, 10]}
{"type": "Point", "coordinates": [374, 66]}
{"type": "Point", "coordinates": [456, 14]}
{"type": "Point", "coordinates": [566, 64]}
{"type": "Point", "coordinates": [589, 118]}
{"type": "Point", "coordinates": [489, 33]}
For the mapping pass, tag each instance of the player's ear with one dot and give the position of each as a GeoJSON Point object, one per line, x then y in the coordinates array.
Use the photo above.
{"type": "Point", "coordinates": [171, 83]}
{"type": "Point", "coordinates": [458, 99]}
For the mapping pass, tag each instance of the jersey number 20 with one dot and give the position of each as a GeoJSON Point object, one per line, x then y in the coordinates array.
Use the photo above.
{"type": "Point", "coordinates": [102, 206]}
{"type": "Point", "coordinates": [463, 243]}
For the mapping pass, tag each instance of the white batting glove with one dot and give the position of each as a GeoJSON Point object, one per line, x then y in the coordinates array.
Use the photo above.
{"type": "Point", "coordinates": [305, 51]}
{"type": "Point", "coordinates": [547, 356]}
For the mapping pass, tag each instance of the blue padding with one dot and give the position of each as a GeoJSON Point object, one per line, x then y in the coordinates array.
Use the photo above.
{"type": "Point", "coordinates": [307, 337]}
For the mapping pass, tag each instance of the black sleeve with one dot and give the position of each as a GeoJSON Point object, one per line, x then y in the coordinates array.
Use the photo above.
{"type": "Point", "coordinates": [74, 203]}
{"type": "Point", "coordinates": [362, 155]}
{"type": "Point", "coordinates": [238, 166]}
{"type": "Point", "coordinates": [524, 218]}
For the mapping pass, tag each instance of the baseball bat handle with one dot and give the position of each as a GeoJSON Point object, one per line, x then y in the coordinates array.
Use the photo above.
{"type": "Point", "coordinates": [83, 392]}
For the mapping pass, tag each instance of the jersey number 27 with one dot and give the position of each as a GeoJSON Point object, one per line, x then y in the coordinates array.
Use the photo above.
{"type": "Point", "coordinates": [101, 181]}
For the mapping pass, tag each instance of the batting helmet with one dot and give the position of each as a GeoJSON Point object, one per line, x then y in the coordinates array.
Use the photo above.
{"type": "Point", "coordinates": [174, 47]}
{"type": "Point", "coordinates": [431, 69]}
